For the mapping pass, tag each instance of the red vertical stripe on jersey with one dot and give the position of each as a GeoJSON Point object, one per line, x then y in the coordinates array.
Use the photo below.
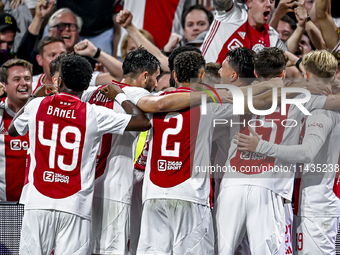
{"type": "Point", "coordinates": [158, 19]}
{"type": "Point", "coordinates": [15, 153]}
{"type": "Point", "coordinates": [106, 141]}
{"type": "Point", "coordinates": [61, 116]}
{"type": "Point", "coordinates": [300, 168]}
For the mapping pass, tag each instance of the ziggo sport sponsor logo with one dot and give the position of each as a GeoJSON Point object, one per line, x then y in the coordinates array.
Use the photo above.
{"type": "Point", "coordinates": [164, 165]}
{"type": "Point", "coordinates": [54, 177]}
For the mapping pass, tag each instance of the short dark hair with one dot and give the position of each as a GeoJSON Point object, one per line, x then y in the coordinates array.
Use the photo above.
{"type": "Point", "coordinates": [76, 72]}
{"type": "Point", "coordinates": [241, 60]}
{"type": "Point", "coordinates": [56, 63]}
{"type": "Point", "coordinates": [179, 50]}
{"type": "Point", "coordinates": [45, 41]}
{"type": "Point", "coordinates": [270, 62]}
{"type": "Point", "coordinates": [188, 65]}
{"type": "Point", "coordinates": [196, 7]}
{"type": "Point", "coordinates": [290, 21]}
{"type": "Point", "coordinates": [138, 61]}
{"type": "Point", "coordinates": [211, 73]}
{"type": "Point", "coordinates": [174, 54]}
{"type": "Point", "coordinates": [13, 62]}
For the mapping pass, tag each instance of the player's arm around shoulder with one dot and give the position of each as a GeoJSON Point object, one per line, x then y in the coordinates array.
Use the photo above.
{"type": "Point", "coordinates": [20, 127]}
{"type": "Point", "coordinates": [138, 121]}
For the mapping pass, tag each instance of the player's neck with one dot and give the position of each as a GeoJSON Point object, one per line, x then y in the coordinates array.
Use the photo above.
{"type": "Point", "coordinates": [47, 80]}
{"type": "Point", "coordinates": [64, 89]}
{"type": "Point", "coordinates": [184, 85]}
{"type": "Point", "coordinates": [130, 81]}
{"type": "Point", "coordinates": [253, 24]}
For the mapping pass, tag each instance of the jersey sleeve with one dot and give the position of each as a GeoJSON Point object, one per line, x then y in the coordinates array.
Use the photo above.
{"type": "Point", "coordinates": [87, 94]}
{"type": "Point", "coordinates": [110, 121]}
{"type": "Point", "coordinates": [21, 123]}
{"type": "Point", "coordinates": [317, 129]}
{"type": "Point", "coordinates": [134, 94]}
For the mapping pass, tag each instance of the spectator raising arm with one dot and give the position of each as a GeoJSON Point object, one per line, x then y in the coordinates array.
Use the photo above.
{"type": "Point", "coordinates": [124, 18]}
{"type": "Point", "coordinates": [113, 65]}
{"type": "Point", "coordinates": [327, 26]}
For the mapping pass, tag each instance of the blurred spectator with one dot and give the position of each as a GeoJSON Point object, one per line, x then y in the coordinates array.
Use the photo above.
{"type": "Point", "coordinates": [22, 15]}
{"type": "Point", "coordinates": [305, 46]}
{"type": "Point", "coordinates": [195, 20]}
{"type": "Point", "coordinates": [284, 7]}
{"type": "Point", "coordinates": [286, 28]}
{"type": "Point", "coordinates": [129, 45]}
{"type": "Point", "coordinates": [98, 20]}
{"type": "Point", "coordinates": [49, 48]}
{"type": "Point", "coordinates": [63, 23]}
{"type": "Point", "coordinates": [309, 5]}
{"type": "Point", "coordinates": [199, 40]}
{"type": "Point", "coordinates": [240, 25]}
{"type": "Point", "coordinates": [159, 26]}
{"type": "Point", "coordinates": [8, 29]}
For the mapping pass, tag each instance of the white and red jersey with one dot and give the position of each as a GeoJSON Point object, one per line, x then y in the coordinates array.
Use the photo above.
{"type": "Point", "coordinates": [314, 195]}
{"type": "Point", "coordinates": [179, 153]}
{"type": "Point", "coordinates": [64, 139]}
{"type": "Point", "coordinates": [114, 167]}
{"type": "Point", "coordinates": [248, 168]}
{"type": "Point", "coordinates": [13, 153]}
{"type": "Point", "coordinates": [159, 17]}
{"type": "Point", "coordinates": [231, 30]}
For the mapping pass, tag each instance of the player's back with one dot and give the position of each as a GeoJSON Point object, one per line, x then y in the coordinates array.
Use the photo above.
{"type": "Point", "coordinates": [64, 137]}
{"type": "Point", "coordinates": [258, 169]}
{"type": "Point", "coordinates": [179, 154]}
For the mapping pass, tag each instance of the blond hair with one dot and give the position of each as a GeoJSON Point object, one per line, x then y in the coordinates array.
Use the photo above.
{"type": "Point", "coordinates": [321, 63]}
{"type": "Point", "coordinates": [145, 33]}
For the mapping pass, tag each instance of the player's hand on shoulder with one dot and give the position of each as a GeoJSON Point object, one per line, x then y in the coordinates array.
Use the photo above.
{"type": "Point", "coordinates": [246, 142]}
{"type": "Point", "coordinates": [46, 90]}
{"type": "Point", "coordinates": [111, 91]}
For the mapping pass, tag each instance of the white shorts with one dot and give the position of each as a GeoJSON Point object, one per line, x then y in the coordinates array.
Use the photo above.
{"type": "Point", "coordinates": [315, 235]}
{"type": "Point", "coordinates": [254, 210]}
{"type": "Point", "coordinates": [110, 226]}
{"type": "Point", "coordinates": [176, 227]}
{"type": "Point", "coordinates": [45, 230]}
{"type": "Point", "coordinates": [136, 209]}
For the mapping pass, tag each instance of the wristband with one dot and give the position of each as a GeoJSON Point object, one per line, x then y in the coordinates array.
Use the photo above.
{"type": "Point", "coordinates": [297, 64]}
{"type": "Point", "coordinates": [97, 53]}
{"type": "Point", "coordinates": [120, 98]}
